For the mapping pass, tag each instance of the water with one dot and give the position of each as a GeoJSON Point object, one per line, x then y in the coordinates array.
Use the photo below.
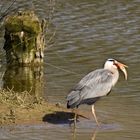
{"type": "Point", "coordinates": [87, 33]}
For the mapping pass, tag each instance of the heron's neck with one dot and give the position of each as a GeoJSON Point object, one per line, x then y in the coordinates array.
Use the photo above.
{"type": "Point", "coordinates": [115, 74]}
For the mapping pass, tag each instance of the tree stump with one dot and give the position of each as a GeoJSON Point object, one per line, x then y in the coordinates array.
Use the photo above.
{"type": "Point", "coordinates": [24, 39]}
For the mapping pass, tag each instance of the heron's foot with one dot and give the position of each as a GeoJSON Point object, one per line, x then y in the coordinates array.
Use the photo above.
{"type": "Point", "coordinates": [98, 124]}
{"type": "Point", "coordinates": [74, 120]}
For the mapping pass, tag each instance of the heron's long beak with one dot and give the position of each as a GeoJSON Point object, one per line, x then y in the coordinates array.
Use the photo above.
{"type": "Point", "coordinates": [122, 68]}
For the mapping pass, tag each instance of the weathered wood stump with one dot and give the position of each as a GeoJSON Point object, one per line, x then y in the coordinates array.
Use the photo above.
{"type": "Point", "coordinates": [24, 39]}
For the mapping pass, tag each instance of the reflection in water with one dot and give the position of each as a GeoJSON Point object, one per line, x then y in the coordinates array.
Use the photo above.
{"type": "Point", "coordinates": [64, 118]}
{"type": "Point", "coordinates": [24, 79]}
{"type": "Point", "coordinates": [93, 137]}
{"type": "Point", "coordinates": [94, 133]}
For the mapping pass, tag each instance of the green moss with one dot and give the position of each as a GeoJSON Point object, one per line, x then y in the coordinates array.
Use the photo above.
{"type": "Point", "coordinates": [13, 24]}
{"type": "Point", "coordinates": [24, 37]}
{"type": "Point", "coordinates": [24, 22]}
{"type": "Point", "coordinates": [32, 27]}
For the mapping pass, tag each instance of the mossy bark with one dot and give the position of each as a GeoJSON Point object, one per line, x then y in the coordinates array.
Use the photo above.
{"type": "Point", "coordinates": [24, 39]}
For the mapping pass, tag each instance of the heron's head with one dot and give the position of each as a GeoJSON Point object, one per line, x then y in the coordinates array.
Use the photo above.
{"type": "Point", "coordinates": [113, 65]}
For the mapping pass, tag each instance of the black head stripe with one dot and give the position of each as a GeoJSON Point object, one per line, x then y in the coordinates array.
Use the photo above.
{"type": "Point", "coordinates": [110, 59]}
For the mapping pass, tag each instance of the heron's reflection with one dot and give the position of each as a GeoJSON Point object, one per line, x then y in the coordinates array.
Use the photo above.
{"type": "Point", "coordinates": [94, 133]}
{"type": "Point", "coordinates": [74, 132]}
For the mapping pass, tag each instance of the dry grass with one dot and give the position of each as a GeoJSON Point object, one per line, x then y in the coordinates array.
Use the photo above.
{"type": "Point", "coordinates": [22, 100]}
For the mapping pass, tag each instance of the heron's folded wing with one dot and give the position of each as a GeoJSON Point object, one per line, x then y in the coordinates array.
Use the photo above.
{"type": "Point", "coordinates": [95, 84]}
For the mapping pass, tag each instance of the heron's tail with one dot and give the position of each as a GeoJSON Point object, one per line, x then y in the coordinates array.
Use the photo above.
{"type": "Point", "coordinates": [68, 106]}
{"type": "Point", "coordinates": [73, 99]}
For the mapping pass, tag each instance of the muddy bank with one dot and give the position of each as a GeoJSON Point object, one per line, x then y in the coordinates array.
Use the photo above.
{"type": "Point", "coordinates": [23, 108]}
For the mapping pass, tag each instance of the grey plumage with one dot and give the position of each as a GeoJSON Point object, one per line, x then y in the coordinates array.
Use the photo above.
{"type": "Point", "coordinates": [94, 85]}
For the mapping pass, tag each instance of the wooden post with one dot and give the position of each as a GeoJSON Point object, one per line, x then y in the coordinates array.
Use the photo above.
{"type": "Point", "coordinates": [24, 39]}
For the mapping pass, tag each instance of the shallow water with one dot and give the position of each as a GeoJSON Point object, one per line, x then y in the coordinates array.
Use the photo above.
{"type": "Point", "coordinates": [87, 33]}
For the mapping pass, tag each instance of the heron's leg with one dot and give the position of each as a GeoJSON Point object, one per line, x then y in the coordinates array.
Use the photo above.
{"type": "Point", "coordinates": [75, 117]}
{"type": "Point", "coordinates": [94, 114]}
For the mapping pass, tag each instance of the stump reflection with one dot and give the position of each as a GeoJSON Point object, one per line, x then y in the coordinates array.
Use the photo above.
{"type": "Point", "coordinates": [24, 79]}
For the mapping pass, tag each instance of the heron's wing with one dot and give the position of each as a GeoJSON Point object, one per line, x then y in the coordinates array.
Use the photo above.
{"type": "Point", "coordinates": [95, 84]}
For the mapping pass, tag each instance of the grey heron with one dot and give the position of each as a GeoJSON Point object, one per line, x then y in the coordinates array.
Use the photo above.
{"type": "Point", "coordinates": [95, 84]}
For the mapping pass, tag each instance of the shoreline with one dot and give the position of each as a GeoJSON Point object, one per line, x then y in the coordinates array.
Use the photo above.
{"type": "Point", "coordinates": [17, 115]}
{"type": "Point", "coordinates": [24, 108]}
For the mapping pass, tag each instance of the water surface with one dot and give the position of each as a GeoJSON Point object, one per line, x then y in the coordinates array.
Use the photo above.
{"type": "Point", "coordinates": [87, 33]}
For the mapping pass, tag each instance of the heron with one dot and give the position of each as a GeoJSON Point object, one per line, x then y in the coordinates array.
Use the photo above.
{"type": "Point", "coordinates": [95, 84]}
